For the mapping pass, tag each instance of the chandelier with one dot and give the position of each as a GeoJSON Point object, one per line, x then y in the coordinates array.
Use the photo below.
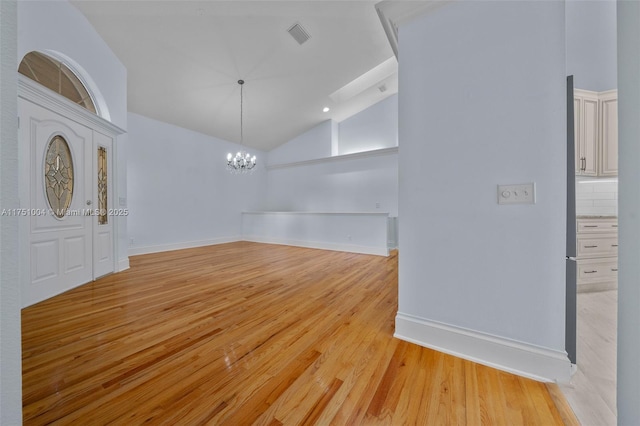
{"type": "Point", "coordinates": [242, 161]}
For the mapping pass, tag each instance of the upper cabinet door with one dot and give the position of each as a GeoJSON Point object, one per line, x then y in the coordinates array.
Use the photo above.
{"type": "Point", "coordinates": [577, 132]}
{"type": "Point", "coordinates": [586, 132]}
{"type": "Point", "coordinates": [589, 143]}
{"type": "Point", "coordinates": [609, 134]}
{"type": "Point", "coordinates": [596, 133]}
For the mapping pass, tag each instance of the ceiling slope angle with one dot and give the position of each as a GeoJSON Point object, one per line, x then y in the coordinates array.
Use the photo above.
{"type": "Point", "coordinates": [371, 87]}
{"type": "Point", "coordinates": [373, 77]}
{"type": "Point", "coordinates": [395, 12]}
{"type": "Point", "coordinates": [184, 58]}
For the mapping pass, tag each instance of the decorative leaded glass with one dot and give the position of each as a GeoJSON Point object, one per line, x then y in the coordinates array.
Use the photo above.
{"type": "Point", "coordinates": [102, 186]}
{"type": "Point", "coordinates": [56, 76]}
{"type": "Point", "coordinates": [58, 176]}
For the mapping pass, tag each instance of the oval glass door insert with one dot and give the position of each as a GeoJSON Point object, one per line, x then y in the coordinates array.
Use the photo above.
{"type": "Point", "coordinates": [58, 176]}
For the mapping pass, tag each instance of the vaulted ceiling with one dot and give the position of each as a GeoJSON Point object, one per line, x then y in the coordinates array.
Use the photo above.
{"type": "Point", "coordinates": [184, 59]}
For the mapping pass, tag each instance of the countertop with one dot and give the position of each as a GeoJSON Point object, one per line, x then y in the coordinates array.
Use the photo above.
{"type": "Point", "coordinates": [595, 217]}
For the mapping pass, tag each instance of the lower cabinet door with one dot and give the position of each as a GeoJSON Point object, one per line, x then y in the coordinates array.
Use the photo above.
{"type": "Point", "coordinates": [597, 274]}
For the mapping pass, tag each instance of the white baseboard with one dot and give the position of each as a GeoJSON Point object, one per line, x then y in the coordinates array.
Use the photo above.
{"type": "Point", "coordinates": [379, 251]}
{"type": "Point", "coordinates": [519, 358]}
{"type": "Point", "coordinates": [133, 251]}
{"type": "Point", "coordinates": [123, 264]}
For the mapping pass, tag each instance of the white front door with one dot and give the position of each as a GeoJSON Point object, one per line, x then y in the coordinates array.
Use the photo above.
{"type": "Point", "coordinates": [63, 245]}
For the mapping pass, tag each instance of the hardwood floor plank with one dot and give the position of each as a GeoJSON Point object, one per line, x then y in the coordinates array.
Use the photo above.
{"type": "Point", "coordinates": [475, 411]}
{"type": "Point", "coordinates": [491, 397]}
{"type": "Point", "coordinates": [517, 405]}
{"type": "Point", "coordinates": [356, 352]}
{"type": "Point", "coordinates": [564, 410]}
{"type": "Point", "coordinates": [408, 404]}
{"type": "Point", "coordinates": [262, 399]}
{"type": "Point", "coordinates": [247, 333]}
{"type": "Point", "coordinates": [437, 409]}
{"type": "Point", "coordinates": [379, 400]}
{"type": "Point", "coordinates": [355, 404]}
{"type": "Point", "coordinates": [312, 417]}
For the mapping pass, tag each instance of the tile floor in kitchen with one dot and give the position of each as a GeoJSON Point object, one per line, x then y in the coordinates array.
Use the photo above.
{"type": "Point", "coordinates": [592, 391]}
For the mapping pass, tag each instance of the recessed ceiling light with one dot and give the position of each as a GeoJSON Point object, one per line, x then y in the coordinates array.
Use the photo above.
{"type": "Point", "coordinates": [325, 109]}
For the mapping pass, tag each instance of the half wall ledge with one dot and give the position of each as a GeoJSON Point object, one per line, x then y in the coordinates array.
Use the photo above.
{"type": "Point", "coordinates": [354, 232]}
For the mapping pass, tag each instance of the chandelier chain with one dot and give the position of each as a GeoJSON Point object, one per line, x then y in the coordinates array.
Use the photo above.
{"type": "Point", "coordinates": [241, 113]}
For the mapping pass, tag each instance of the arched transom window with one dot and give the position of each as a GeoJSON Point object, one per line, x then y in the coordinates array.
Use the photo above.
{"type": "Point", "coordinates": [56, 76]}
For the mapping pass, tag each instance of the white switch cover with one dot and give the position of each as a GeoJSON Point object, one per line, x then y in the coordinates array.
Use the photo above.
{"type": "Point", "coordinates": [523, 193]}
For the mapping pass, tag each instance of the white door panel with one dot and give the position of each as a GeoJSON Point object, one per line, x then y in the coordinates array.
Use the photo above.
{"type": "Point", "coordinates": [44, 265]}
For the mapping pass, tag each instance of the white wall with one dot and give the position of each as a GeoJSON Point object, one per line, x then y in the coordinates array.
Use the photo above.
{"type": "Point", "coordinates": [10, 347]}
{"type": "Point", "coordinates": [362, 183]}
{"type": "Point", "coordinates": [482, 102]}
{"type": "Point", "coordinates": [628, 384]}
{"type": "Point", "coordinates": [591, 44]}
{"type": "Point", "coordinates": [327, 182]}
{"type": "Point", "coordinates": [314, 143]}
{"type": "Point", "coordinates": [365, 182]}
{"type": "Point", "coordinates": [351, 232]}
{"type": "Point", "coordinates": [180, 193]}
{"type": "Point", "coordinates": [374, 128]}
{"type": "Point", "coordinates": [58, 27]}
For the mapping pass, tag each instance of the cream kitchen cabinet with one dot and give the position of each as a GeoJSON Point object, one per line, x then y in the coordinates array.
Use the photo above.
{"type": "Point", "coordinates": [586, 132]}
{"type": "Point", "coordinates": [597, 254]}
{"type": "Point", "coordinates": [609, 133]}
{"type": "Point", "coordinates": [596, 132]}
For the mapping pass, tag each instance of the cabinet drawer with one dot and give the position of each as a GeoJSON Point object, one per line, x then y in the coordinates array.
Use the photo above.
{"type": "Point", "coordinates": [597, 270]}
{"type": "Point", "coordinates": [597, 246]}
{"type": "Point", "coordinates": [586, 226]}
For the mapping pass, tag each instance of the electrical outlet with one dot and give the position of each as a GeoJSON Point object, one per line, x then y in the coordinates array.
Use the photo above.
{"type": "Point", "coordinates": [130, 242]}
{"type": "Point", "coordinates": [524, 193]}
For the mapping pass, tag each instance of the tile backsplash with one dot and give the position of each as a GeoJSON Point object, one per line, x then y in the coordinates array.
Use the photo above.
{"type": "Point", "coordinates": [597, 197]}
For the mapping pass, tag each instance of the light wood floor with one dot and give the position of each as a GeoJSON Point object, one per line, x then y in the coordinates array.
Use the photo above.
{"type": "Point", "coordinates": [592, 391]}
{"type": "Point", "coordinates": [245, 333]}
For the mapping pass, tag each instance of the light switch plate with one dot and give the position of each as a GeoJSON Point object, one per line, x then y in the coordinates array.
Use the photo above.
{"type": "Point", "coordinates": [522, 193]}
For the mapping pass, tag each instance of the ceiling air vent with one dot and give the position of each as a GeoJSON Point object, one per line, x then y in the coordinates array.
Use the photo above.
{"type": "Point", "coordinates": [298, 33]}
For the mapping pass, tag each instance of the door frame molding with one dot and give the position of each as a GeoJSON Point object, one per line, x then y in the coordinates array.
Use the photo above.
{"type": "Point", "coordinates": [32, 91]}
{"type": "Point", "coordinates": [35, 92]}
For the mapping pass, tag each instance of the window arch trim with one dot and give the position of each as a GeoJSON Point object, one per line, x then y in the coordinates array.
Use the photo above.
{"type": "Point", "coordinates": [59, 76]}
